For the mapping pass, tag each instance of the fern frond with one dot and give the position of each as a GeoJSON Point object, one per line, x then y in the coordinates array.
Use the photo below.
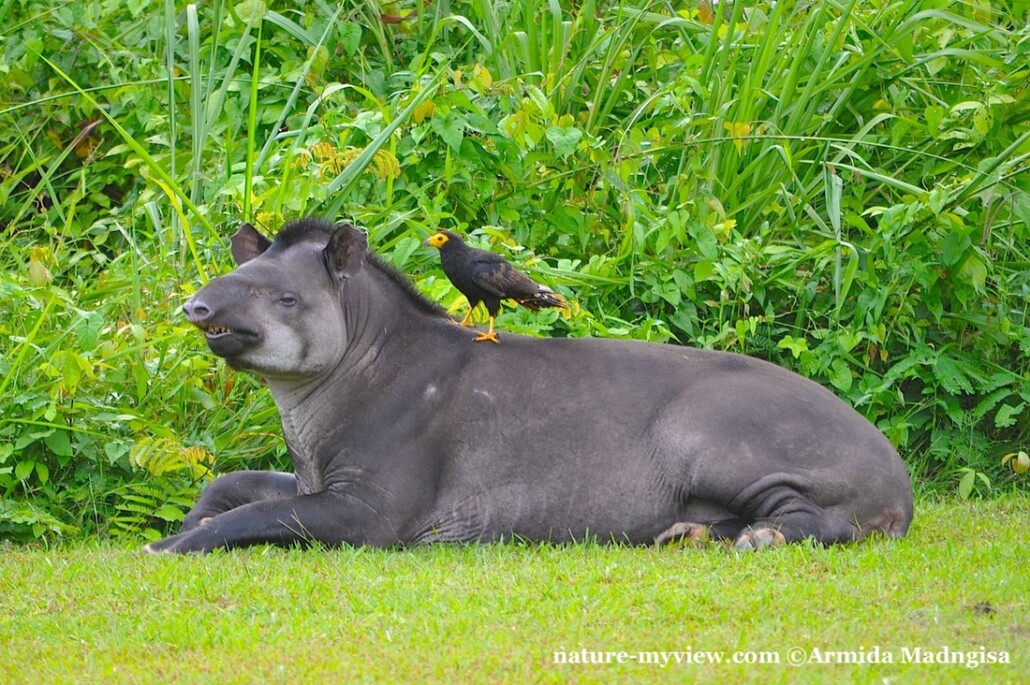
{"type": "Point", "coordinates": [952, 376]}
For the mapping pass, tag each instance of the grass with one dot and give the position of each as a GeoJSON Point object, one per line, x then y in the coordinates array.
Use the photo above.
{"type": "Point", "coordinates": [99, 612]}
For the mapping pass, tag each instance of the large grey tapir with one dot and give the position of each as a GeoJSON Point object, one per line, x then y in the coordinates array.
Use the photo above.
{"type": "Point", "coordinates": [404, 431]}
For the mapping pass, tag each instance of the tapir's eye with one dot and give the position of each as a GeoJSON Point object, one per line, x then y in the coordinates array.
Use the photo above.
{"type": "Point", "coordinates": [288, 300]}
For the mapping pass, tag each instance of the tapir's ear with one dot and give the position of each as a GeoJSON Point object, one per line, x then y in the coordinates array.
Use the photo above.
{"type": "Point", "coordinates": [345, 253]}
{"type": "Point", "coordinates": [247, 244]}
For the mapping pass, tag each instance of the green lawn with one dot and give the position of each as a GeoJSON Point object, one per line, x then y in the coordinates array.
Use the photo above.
{"type": "Point", "coordinates": [100, 612]}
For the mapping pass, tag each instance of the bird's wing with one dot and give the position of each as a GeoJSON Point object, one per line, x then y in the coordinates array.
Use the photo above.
{"type": "Point", "coordinates": [500, 279]}
{"type": "Point", "coordinates": [484, 257]}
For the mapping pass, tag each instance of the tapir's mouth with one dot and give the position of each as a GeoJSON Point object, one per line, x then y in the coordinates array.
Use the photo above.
{"type": "Point", "coordinates": [212, 332]}
{"type": "Point", "coordinates": [226, 340]}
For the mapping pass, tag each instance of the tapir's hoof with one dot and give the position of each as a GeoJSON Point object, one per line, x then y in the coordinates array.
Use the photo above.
{"type": "Point", "coordinates": [692, 533]}
{"type": "Point", "coordinates": [754, 539]}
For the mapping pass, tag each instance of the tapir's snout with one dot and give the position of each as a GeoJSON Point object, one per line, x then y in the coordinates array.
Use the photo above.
{"type": "Point", "coordinates": [196, 311]}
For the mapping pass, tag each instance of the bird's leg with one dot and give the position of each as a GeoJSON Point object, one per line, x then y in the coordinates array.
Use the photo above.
{"type": "Point", "coordinates": [489, 335]}
{"type": "Point", "coordinates": [466, 321]}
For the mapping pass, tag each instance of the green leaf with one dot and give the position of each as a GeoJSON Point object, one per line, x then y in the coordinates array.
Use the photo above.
{"type": "Point", "coordinates": [26, 439]}
{"type": "Point", "coordinates": [704, 237]}
{"type": "Point", "coordinates": [564, 139]}
{"type": "Point", "coordinates": [937, 199]}
{"type": "Point", "coordinates": [42, 472]}
{"type": "Point", "coordinates": [741, 327]}
{"type": "Point", "coordinates": [670, 292]}
{"type": "Point", "coordinates": [904, 45]}
{"type": "Point", "coordinates": [71, 370]}
{"type": "Point", "coordinates": [319, 56]}
{"type": "Point", "coordinates": [934, 114]}
{"type": "Point", "coordinates": [847, 340]}
{"type": "Point", "coordinates": [87, 329]}
{"type": "Point", "coordinates": [350, 37]}
{"type": "Point", "coordinates": [796, 345]}
{"type": "Point", "coordinates": [59, 443]}
{"type": "Point", "coordinates": [23, 469]}
{"type": "Point", "coordinates": [840, 375]}
{"type": "Point", "coordinates": [973, 271]}
{"type": "Point", "coordinates": [450, 127]}
{"type": "Point", "coordinates": [543, 105]}
{"type": "Point", "coordinates": [982, 120]}
{"type": "Point", "coordinates": [369, 123]}
{"type": "Point", "coordinates": [965, 486]}
{"type": "Point", "coordinates": [953, 247]}
{"type": "Point", "coordinates": [251, 10]}
{"type": "Point", "coordinates": [934, 66]}
{"type": "Point", "coordinates": [703, 270]}
{"type": "Point", "coordinates": [114, 451]}
{"type": "Point", "coordinates": [1007, 415]}
{"type": "Point", "coordinates": [682, 281]}
{"type": "Point", "coordinates": [142, 379]}
{"type": "Point", "coordinates": [1021, 206]}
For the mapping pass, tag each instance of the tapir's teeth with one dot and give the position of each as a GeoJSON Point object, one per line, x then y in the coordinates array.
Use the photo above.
{"type": "Point", "coordinates": [214, 331]}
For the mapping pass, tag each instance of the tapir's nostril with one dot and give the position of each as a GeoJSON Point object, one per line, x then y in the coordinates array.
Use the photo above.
{"type": "Point", "coordinates": [196, 311]}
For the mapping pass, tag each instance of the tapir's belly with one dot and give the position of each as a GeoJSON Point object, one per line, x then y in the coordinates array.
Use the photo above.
{"type": "Point", "coordinates": [629, 510]}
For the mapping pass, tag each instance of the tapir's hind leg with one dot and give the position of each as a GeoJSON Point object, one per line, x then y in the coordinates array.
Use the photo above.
{"type": "Point", "coordinates": [236, 489]}
{"type": "Point", "coordinates": [779, 513]}
{"type": "Point", "coordinates": [767, 515]}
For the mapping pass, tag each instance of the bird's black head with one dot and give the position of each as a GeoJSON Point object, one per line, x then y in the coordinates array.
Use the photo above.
{"type": "Point", "coordinates": [441, 238]}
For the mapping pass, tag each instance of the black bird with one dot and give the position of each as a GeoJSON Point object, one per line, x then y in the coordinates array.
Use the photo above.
{"type": "Point", "coordinates": [483, 276]}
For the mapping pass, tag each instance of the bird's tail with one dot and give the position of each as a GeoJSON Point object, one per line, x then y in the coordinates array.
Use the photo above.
{"type": "Point", "coordinates": [544, 297]}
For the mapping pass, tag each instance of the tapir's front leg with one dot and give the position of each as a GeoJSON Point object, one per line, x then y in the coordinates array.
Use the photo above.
{"type": "Point", "coordinates": [236, 489]}
{"type": "Point", "coordinates": [327, 517]}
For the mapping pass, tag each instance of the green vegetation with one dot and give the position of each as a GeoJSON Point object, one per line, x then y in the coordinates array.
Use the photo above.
{"type": "Point", "coordinates": [839, 187]}
{"type": "Point", "coordinates": [97, 612]}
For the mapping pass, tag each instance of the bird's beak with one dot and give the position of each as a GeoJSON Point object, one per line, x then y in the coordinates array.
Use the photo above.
{"type": "Point", "coordinates": [425, 243]}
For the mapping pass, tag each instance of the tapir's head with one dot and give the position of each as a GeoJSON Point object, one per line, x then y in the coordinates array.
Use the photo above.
{"type": "Point", "coordinates": [279, 313]}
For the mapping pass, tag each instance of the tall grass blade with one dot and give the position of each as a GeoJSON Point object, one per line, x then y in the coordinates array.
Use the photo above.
{"type": "Point", "coordinates": [198, 96]}
{"type": "Point", "coordinates": [173, 124]}
{"type": "Point", "coordinates": [248, 179]}
{"type": "Point", "coordinates": [834, 186]}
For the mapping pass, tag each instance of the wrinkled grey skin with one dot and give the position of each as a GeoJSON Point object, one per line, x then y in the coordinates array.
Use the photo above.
{"type": "Point", "coordinates": [402, 431]}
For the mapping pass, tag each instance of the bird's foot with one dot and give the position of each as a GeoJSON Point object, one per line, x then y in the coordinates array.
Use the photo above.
{"type": "Point", "coordinates": [491, 336]}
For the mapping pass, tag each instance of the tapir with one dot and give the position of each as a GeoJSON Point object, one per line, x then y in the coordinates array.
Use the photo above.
{"type": "Point", "coordinates": [403, 432]}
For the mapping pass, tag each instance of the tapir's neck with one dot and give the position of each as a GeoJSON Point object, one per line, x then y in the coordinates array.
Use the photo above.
{"type": "Point", "coordinates": [384, 333]}
{"type": "Point", "coordinates": [310, 414]}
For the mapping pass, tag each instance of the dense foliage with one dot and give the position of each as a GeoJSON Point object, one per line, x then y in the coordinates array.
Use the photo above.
{"type": "Point", "coordinates": [839, 187]}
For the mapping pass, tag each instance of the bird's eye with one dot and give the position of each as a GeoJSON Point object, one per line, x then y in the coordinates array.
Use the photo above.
{"type": "Point", "coordinates": [288, 300]}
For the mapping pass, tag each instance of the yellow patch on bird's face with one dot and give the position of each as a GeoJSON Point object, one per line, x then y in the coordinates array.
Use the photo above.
{"type": "Point", "coordinates": [437, 240]}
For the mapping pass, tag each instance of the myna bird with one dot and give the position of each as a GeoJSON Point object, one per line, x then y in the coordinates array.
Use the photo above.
{"type": "Point", "coordinates": [483, 276]}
